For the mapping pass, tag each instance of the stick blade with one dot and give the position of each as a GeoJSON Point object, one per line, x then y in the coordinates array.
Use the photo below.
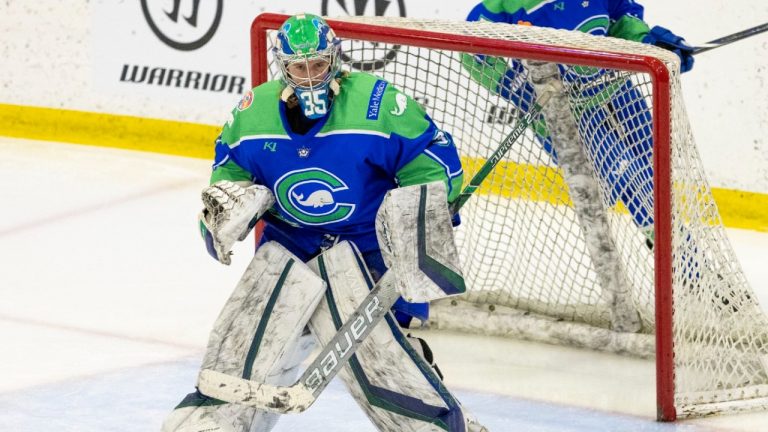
{"type": "Point", "coordinates": [267, 397]}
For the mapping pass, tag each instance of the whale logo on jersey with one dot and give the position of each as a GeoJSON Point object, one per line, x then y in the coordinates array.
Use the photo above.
{"type": "Point", "coordinates": [402, 103]}
{"type": "Point", "coordinates": [317, 198]}
{"type": "Point", "coordinates": [309, 196]}
{"type": "Point", "coordinates": [595, 25]}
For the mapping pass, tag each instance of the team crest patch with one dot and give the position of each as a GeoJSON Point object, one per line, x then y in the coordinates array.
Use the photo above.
{"type": "Point", "coordinates": [246, 101]}
{"type": "Point", "coordinates": [311, 197]}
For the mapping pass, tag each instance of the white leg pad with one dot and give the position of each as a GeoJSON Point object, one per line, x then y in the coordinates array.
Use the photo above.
{"type": "Point", "coordinates": [256, 336]}
{"type": "Point", "coordinates": [396, 388]}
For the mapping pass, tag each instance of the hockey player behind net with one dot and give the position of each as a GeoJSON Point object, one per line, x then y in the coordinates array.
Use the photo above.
{"type": "Point", "coordinates": [613, 119]}
{"type": "Point", "coordinates": [617, 133]}
{"type": "Point", "coordinates": [314, 155]}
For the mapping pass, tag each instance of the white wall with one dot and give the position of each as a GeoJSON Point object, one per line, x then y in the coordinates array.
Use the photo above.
{"type": "Point", "coordinates": [70, 53]}
{"type": "Point", "coordinates": [727, 92]}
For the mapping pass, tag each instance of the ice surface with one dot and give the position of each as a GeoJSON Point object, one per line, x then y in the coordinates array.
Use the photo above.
{"type": "Point", "coordinates": [107, 296]}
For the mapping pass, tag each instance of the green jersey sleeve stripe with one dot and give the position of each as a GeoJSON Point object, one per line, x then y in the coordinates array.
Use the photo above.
{"type": "Point", "coordinates": [354, 131]}
{"type": "Point", "coordinates": [487, 73]}
{"type": "Point", "coordinates": [423, 169]}
{"type": "Point", "coordinates": [254, 137]}
{"type": "Point", "coordinates": [445, 165]}
{"type": "Point", "coordinates": [230, 171]}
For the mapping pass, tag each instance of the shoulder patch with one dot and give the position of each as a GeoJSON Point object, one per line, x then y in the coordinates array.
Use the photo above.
{"type": "Point", "coordinates": [246, 101]}
{"type": "Point", "coordinates": [401, 102]}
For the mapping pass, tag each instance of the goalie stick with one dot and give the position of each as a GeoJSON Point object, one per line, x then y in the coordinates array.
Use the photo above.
{"type": "Point", "coordinates": [332, 358]}
{"type": "Point", "coordinates": [725, 40]}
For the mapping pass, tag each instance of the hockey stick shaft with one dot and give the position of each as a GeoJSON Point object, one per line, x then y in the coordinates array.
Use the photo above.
{"type": "Point", "coordinates": [334, 355]}
{"type": "Point", "coordinates": [725, 40]}
{"type": "Point", "coordinates": [492, 161]}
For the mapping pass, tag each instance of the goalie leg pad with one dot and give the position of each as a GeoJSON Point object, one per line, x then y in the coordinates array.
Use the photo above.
{"type": "Point", "coordinates": [394, 385]}
{"type": "Point", "coordinates": [415, 234]}
{"type": "Point", "coordinates": [257, 336]}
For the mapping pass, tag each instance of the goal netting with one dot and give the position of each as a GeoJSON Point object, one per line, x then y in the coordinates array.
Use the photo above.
{"type": "Point", "coordinates": [576, 238]}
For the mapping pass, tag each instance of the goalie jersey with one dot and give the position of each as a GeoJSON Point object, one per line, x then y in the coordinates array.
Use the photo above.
{"type": "Point", "coordinates": [328, 183]}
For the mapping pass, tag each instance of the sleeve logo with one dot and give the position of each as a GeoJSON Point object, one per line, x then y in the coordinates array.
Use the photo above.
{"type": "Point", "coordinates": [374, 103]}
{"type": "Point", "coordinates": [246, 101]}
{"type": "Point", "coordinates": [402, 103]}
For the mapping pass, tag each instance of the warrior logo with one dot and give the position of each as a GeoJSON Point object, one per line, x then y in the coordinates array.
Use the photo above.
{"type": "Point", "coordinates": [187, 34]}
{"type": "Point", "coordinates": [382, 54]}
{"type": "Point", "coordinates": [307, 195]}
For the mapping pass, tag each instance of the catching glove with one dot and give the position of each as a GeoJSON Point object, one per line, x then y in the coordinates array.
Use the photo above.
{"type": "Point", "coordinates": [230, 212]}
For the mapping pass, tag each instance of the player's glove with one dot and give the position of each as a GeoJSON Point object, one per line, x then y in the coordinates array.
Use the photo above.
{"type": "Point", "coordinates": [230, 212]}
{"type": "Point", "coordinates": [664, 38]}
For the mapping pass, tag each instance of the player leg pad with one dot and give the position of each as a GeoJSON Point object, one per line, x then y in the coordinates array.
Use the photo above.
{"type": "Point", "coordinates": [393, 384]}
{"type": "Point", "coordinates": [256, 336]}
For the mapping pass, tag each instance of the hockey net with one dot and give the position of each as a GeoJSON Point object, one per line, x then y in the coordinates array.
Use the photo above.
{"type": "Point", "coordinates": [557, 244]}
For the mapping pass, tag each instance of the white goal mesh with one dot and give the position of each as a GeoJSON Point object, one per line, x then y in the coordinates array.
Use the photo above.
{"type": "Point", "coordinates": [557, 245]}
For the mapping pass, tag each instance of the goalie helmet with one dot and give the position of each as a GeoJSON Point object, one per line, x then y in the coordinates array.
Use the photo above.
{"type": "Point", "coordinates": [308, 54]}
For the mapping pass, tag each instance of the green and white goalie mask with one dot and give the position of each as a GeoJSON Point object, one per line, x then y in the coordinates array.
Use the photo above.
{"type": "Point", "coordinates": [308, 54]}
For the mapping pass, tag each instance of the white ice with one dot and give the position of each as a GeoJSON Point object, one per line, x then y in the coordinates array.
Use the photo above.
{"type": "Point", "coordinates": [107, 296]}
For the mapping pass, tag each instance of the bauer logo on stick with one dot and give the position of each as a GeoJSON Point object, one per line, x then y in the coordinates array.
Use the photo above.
{"type": "Point", "coordinates": [354, 333]}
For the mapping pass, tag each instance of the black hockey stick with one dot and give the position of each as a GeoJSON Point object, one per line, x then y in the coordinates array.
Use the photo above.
{"type": "Point", "coordinates": [725, 40]}
{"type": "Point", "coordinates": [492, 161]}
{"type": "Point", "coordinates": [298, 397]}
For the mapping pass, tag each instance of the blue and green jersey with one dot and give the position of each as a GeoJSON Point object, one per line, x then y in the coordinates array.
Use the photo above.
{"type": "Point", "coordinates": [330, 181]}
{"type": "Point", "coordinates": [624, 164]}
